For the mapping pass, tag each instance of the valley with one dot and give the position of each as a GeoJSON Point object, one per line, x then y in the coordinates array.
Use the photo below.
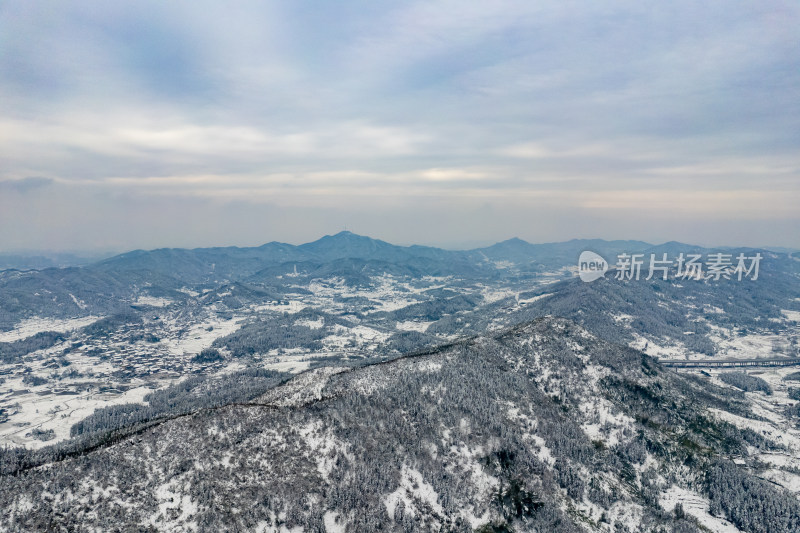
{"type": "Point", "coordinates": [284, 343]}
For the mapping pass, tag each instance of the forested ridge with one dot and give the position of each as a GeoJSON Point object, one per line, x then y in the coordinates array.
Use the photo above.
{"type": "Point", "coordinates": [543, 427]}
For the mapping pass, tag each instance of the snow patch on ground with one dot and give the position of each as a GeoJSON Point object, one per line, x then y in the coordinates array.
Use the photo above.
{"type": "Point", "coordinates": [604, 423]}
{"type": "Point", "coordinates": [331, 525]}
{"type": "Point", "coordinates": [777, 431]}
{"type": "Point", "coordinates": [301, 390]}
{"type": "Point", "coordinates": [311, 324]}
{"type": "Point", "coordinates": [627, 513]}
{"type": "Point", "coordinates": [794, 316]}
{"type": "Point", "coordinates": [697, 506]}
{"type": "Point", "coordinates": [787, 480]}
{"type": "Point", "coordinates": [293, 361]}
{"type": "Point", "coordinates": [412, 325]}
{"type": "Point", "coordinates": [523, 301]}
{"type": "Point", "coordinates": [174, 509]}
{"type": "Point", "coordinates": [152, 301]}
{"type": "Point", "coordinates": [79, 303]}
{"type": "Point", "coordinates": [678, 351]}
{"type": "Point", "coordinates": [428, 366]}
{"type": "Point", "coordinates": [492, 295]}
{"type": "Point", "coordinates": [323, 445]}
{"type": "Point", "coordinates": [383, 294]}
{"type": "Point", "coordinates": [201, 335]}
{"type": "Point", "coordinates": [188, 291]}
{"type": "Point", "coordinates": [732, 345]}
{"type": "Point", "coordinates": [622, 318]}
{"type": "Point", "coordinates": [58, 413]}
{"type": "Point", "coordinates": [291, 306]}
{"type": "Point", "coordinates": [414, 492]}
{"type": "Point", "coordinates": [31, 326]}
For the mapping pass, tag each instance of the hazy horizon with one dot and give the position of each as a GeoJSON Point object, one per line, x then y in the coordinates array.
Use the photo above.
{"type": "Point", "coordinates": [99, 254]}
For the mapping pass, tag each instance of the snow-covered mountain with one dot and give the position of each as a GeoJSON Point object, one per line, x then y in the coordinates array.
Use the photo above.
{"type": "Point", "coordinates": [543, 427]}
{"type": "Point", "coordinates": [353, 385]}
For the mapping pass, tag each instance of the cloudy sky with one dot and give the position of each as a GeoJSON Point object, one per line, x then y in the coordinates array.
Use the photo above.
{"type": "Point", "coordinates": [449, 123]}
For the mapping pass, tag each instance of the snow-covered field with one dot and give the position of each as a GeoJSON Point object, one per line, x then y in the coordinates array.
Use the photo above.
{"type": "Point", "coordinates": [68, 381]}
{"type": "Point", "coordinates": [32, 326]}
{"type": "Point", "coordinates": [152, 301]}
{"type": "Point", "coordinates": [32, 410]}
{"type": "Point", "coordinates": [387, 293]}
{"type": "Point", "coordinates": [413, 325]}
{"type": "Point", "coordinates": [675, 351]}
{"type": "Point", "coordinates": [794, 316]}
{"type": "Point", "coordinates": [523, 301]}
{"type": "Point", "coordinates": [53, 388]}
{"type": "Point", "coordinates": [749, 346]}
{"type": "Point", "coordinates": [774, 423]}
{"type": "Point", "coordinates": [697, 506]}
{"type": "Point", "coordinates": [729, 344]}
{"type": "Point", "coordinates": [201, 335]}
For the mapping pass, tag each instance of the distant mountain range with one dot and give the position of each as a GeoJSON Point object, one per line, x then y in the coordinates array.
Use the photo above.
{"type": "Point", "coordinates": [214, 264]}
{"type": "Point", "coordinates": [207, 264]}
{"type": "Point", "coordinates": [487, 390]}
{"type": "Point", "coordinates": [110, 285]}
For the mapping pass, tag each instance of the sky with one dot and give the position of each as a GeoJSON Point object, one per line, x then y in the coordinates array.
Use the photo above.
{"type": "Point", "coordinates": [182, 124]}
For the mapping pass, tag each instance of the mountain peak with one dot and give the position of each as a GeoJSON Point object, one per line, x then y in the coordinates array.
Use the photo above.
{"type": "Point", "coordinates": [346, 234]}
{"type": "Point", "coordinates": [346, 244]}
{"type": "Point", "coordinates": [515, 241]}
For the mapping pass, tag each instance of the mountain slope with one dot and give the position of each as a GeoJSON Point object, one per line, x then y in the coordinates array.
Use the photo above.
{"type": "Point", "coordinates": [540, 428]}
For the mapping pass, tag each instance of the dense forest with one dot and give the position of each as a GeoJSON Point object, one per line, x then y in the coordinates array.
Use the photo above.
{"type": "Point", "coordinates": [493, 427]}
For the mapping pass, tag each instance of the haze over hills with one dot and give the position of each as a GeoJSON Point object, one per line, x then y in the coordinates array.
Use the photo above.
{"type": "Point", "coordinates": [41, 260]}
{"type": "Point", "coordinates": [171, 268]}
{"type": "Point", "coordinates": [347, 273]}
{"type": "Point", "coordinates": [339, 246]}
{"type": "Point", "coordinates": [220, 261]}
{"type": "Point", "coordinates": [277, 269]}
